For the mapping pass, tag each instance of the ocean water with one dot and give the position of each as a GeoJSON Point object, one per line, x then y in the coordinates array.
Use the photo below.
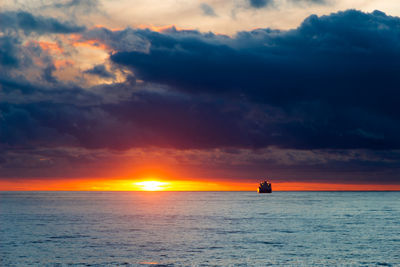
{"type": "Point", "coordinates": [199, 228]}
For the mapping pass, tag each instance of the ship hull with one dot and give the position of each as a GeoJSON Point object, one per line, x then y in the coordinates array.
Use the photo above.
{"type": "Point", "coordinates": [260, 191]}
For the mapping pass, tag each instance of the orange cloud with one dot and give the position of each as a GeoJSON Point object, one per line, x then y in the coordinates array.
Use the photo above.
{"type": "Point", "coordinates": [92, 44]}
{"type": "Point", "coordinates": [76, 41]}
{"type": "Point", "coordinates": [103, 26]}
{"type": "Point", "coordinates": [51, 47]}
{"type": "Point", "coordinates": [63, 63]}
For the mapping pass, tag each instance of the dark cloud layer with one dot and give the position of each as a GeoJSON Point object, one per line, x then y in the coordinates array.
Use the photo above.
{"type": "Point", "coordinates": [329, 85]}
{"type": "Point", "coordinates": [335, 77]}
{"type": "Point", "coordinates": [148, 119]}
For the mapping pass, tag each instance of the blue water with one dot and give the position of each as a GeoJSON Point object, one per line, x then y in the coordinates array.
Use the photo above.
{"type": "Point", "coordinates": [199, 229]}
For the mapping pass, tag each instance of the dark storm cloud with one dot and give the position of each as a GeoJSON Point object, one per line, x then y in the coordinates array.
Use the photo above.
{"type": "Point", "coordinates": [326, 55]}
{"type": "Point", "coordinates": [28, 23]}
{"type": "Point", "coordinates": [329, 84]}
{"type": "Point", "coordinates": [335, 77]}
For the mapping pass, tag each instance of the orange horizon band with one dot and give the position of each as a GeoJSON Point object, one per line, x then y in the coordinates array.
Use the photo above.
{"type": "Point", "coordinates": [174, 185]}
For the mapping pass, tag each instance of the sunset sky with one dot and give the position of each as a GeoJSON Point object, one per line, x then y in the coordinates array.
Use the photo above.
{"type": "Point", "coordinates": [199, 95]}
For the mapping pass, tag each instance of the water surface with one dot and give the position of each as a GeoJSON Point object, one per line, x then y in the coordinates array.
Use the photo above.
{"type": "Point", "coordinates": [199, 228]}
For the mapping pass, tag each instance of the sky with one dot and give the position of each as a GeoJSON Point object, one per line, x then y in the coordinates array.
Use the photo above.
{"type": "Point", "coordinates": [207, 95]}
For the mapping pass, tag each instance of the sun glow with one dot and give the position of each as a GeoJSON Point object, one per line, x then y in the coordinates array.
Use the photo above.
{"type": "Point", "coordinates": [177, 185]}
{"type": "Point", "coordinates": [151, 185]}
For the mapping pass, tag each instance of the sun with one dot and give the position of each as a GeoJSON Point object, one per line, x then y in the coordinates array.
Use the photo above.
{"type": "Point", "coordinates": [151, 185]}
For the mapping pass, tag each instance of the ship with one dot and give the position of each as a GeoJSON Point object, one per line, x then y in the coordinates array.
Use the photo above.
{"type": "Point", "coordinates": [264, 187]}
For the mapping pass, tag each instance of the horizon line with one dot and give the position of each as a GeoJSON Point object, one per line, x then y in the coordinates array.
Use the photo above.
{"type": "Point", "coordinates": [160, 191]}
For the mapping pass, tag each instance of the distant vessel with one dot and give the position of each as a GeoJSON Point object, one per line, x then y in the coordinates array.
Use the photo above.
{"type": "Point", "coordinates": [264, 187]}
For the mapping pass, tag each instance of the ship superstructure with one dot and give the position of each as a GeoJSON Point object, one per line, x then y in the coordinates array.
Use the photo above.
{"type": "Point", "coordinates": [264, 187]}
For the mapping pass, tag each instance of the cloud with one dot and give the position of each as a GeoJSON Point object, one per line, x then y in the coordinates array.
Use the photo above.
{"type": "Point", "coordinates": [260, 3]}
{"type": "Point", "coordinates": [207, 10]}
{"type": "Point", "coordinates": [123, 40]}
{"type": "Point", "coordinates": [324, 85]}
{"type": "Point", "coordinates": [310, 1]}
{"type": "Point", "coordinates": [147, 119]}
{"type": "Point", "coordinates": [333, 166]}
{"type": "Point", "coordinates": [29, 23]}
{"type": "Point", "coordinates": [329, 85]}
{"type": "Point", "coordinates": [18, 51]}
{"type": "Point", "coordinates": [48, 74]}
{"type": "Point", "coordinates": [333, 76]}
{"type": "Point", "coordinates": [8, 51]}
{"type": "Point", "coordinates": [271, 3]}
{"type": "Point", "coordinates": [26, 61]}
{"type": "Point", "coordinates": [101, 71]}
{"type": "Point", "coordinates": [87, 5]}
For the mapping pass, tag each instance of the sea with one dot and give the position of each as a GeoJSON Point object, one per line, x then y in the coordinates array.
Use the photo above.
{"type": "Point", "coordinates": [199, 229]}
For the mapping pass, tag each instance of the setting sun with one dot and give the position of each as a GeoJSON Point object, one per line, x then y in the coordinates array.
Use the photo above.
{"type": "Point", "coordinates": [151, 185]}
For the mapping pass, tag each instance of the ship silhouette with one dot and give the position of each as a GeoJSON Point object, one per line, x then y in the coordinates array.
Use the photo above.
{"type": "Point", "coordinates": [264, 187]}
